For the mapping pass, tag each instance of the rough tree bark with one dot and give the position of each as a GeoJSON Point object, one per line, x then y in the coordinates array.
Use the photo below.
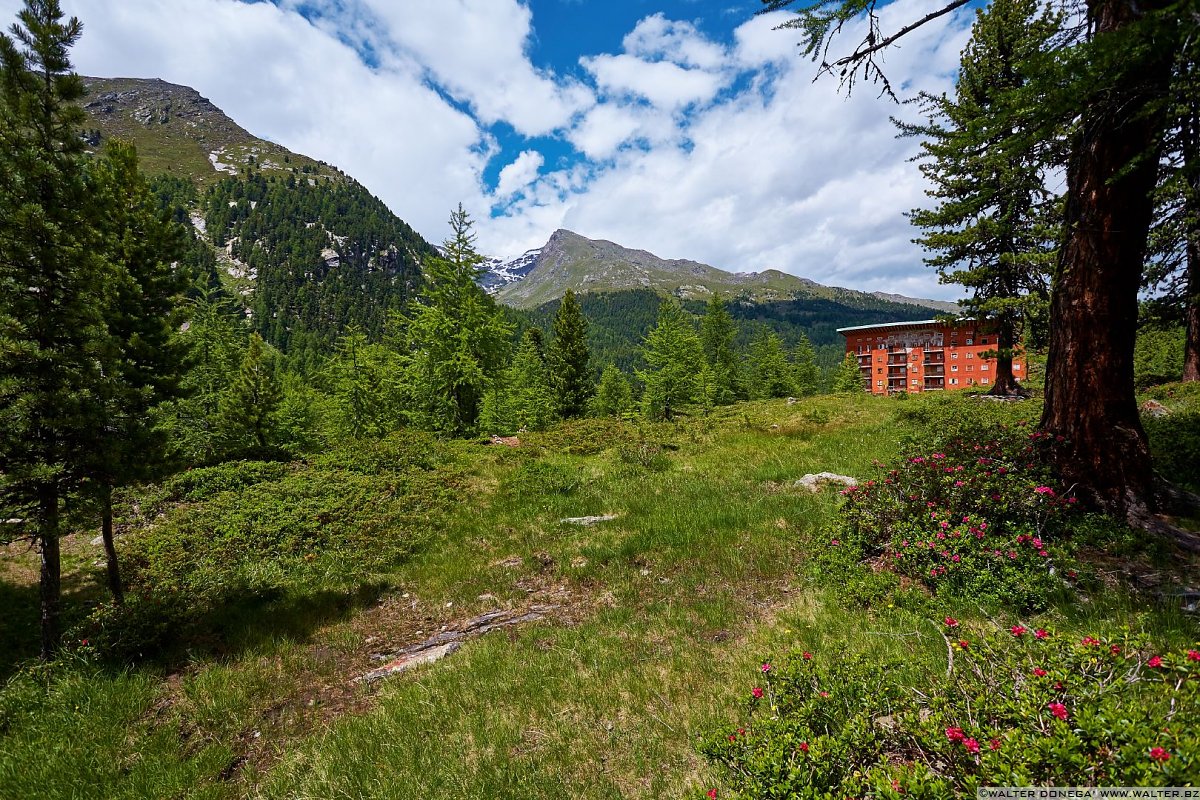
{"type": "Point", "coordinates": [1111, 175]}
{"type": "Point", "coordinates": [50, 584]}
{"type": "Point", "coordinates": [110, 548]}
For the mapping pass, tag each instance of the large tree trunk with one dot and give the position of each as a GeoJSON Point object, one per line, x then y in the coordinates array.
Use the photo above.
{"type": "Point", "coordinates": [1093, 314]}
{"type": "Point", "coordinates": [50, 578]}
{"type": "Point", "coordinates": [110, 548]}
{"type": "Point", "coordinates": [1006, 382]}
{"type": "Point", "coordinates": [1191, 161]}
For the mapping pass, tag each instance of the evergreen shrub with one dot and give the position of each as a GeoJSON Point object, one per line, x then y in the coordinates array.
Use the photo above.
{"type": "Point", "coordinates": [1016, 707]}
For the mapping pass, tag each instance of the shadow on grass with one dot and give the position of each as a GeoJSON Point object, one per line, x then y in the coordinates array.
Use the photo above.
{"type": "Point", "coordinates": [224, 626]}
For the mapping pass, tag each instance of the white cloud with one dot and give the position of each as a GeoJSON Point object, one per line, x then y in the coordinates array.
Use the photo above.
{"type": "Point", "coordinates": [476, 50]}
{"type": "Point", "coordinates": [664, 84]}
{"type": "Point", "coordinates": [728, 154]}
{"type": "Point", "coordinates": [520, 173]}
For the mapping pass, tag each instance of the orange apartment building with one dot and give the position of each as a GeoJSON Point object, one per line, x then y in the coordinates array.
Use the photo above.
{"type": "Point", "coordinates": [925, 356]}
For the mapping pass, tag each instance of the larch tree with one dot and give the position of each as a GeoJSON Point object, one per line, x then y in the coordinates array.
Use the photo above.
{"type": "Point", "coordinates": [52, 290]}
{"type": "Point", "coordinates": [804, 361]}
{"type": "Point", "coordinates": [1112, 81]}
{"type": "Point", "coordinates": [614, 397]}
{"type": "Point", "coordinates": [847, 378]}
{"type": "Point", "coordinates": [247, 406]}
{"type": "Point", "coordinates": [993, 226]}
{"type": "Point", "coordinates": [771, 374]}
{"type": "Point", "coordinates": [673, 358]}
{"type": "Point", "coordinates": [717, 334]}
{"type": "Point", "coordinates": [456, 337]}
{"type": "Point", "coordinates": [570, 373]}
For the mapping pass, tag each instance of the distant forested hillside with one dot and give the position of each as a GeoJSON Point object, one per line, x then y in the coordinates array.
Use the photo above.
{"type": "Point", "coordinates": [320, 256]}
{"type": "Point", "coordinates": [618, 321]}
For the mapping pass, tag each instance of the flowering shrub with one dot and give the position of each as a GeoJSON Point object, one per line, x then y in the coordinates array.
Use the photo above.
{"type": "Point", "coordinates": [974, 519]}
{"type": "Point", "coordinates": [1016, 708]}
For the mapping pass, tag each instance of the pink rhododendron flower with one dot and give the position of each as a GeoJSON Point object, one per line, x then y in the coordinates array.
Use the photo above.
{"type": "Point", "coordinates": [1155, 661]}
{"type": "Point", "coordinates": [1018, 630]}
{"type": "Point", "coordinates": [972, 745]}
{"type": "Point", "coordinates": [955, 734]}
{"type": "Point", "coordinates": [766, 667]}
{"type": "Point", "coordinates": [712, 794]}
{"type": "Point", "coordinates": [756, 692]}
{"type": "Point", "coordinates": [1115, 649]}
{"type": "Point", "coordinates": [1193, 655]}
{"type": "Point", "coordinates": [994, 744]}
{"type": "Point", "coordinates": [1044, 490]}
{"type": "Point", "coordinates": [807, 656]}
{"type": "Point", "coordinates": [823, 694]}
{"type": "Point", "coordinates": [1158, 754]}
{"type": "Point", "coordinates": [1041, 673]}
{"type": "Point", "coordinates": [1058, 710]}
{"type": "Point", "coordinates": [1041, 633]}
{"type": "Point", "coordinates": [803, 746]}
{"type": "Point", "coordinates": [964, 644]}
{"type": "Point", "coordinates": [1089, 641]}
{"type": "Point", "coordinates": [951, 622]}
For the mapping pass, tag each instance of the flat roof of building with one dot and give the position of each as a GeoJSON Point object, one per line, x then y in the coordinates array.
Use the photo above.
{"type": "Point", "coordinates": [891, 325]}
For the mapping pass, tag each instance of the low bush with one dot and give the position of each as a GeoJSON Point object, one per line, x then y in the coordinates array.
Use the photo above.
{"type": "Point", "coordinates": [205, 482]}
{"type": "Point", "coordinates": [650, 456]}
{"type": "Point", "coordinates": [977, 519]}
{"type": "Point", "coordinates": [1020, 707]}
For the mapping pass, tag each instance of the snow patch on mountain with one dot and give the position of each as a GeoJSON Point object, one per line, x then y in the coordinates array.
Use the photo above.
{"type": "Point", "coordinates": [499, 272]}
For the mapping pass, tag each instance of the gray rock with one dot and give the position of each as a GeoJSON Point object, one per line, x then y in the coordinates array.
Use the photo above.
{"type": "Point", "coordinates": [814, 482]}
{"type": "Point", "coordinates": [588, 520]}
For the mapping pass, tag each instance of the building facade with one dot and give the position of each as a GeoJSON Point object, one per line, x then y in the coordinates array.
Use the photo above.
{"type": "Point", "coordinates": [926, 356]}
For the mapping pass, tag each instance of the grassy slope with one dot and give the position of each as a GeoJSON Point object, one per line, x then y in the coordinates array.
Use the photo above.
{"type": "Point", "coordinates": [662, 617]}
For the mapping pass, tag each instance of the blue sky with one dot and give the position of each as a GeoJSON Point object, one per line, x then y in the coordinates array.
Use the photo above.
{"type": "Point", "coordinates": [689, 128]}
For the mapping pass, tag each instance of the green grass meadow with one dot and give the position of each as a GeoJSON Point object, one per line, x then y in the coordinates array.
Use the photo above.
{"type": "Point", "coordinates": [656, 622]}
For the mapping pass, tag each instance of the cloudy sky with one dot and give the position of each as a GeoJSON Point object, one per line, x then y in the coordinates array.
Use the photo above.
{"type": "Point", "coordinates": [690, 128]}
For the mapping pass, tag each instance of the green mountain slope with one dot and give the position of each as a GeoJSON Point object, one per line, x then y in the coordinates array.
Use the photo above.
{"type": "Point", "coordinates": [306, 247]}
{"type": "Point", "coordinates": [571, 261]}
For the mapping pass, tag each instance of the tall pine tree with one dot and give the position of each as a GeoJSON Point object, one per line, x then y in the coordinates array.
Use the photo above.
{"type": "Point", "coordinates": [568, 358]}
{"type": "Point", "coordinates": [771, 374]}
{"type": "Point", "coordinates": [995, 224]}
{"type": "Point", "coordinates": [52, 289]}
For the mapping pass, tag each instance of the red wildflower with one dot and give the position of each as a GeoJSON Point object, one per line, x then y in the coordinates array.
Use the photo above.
{"type": "Point", "coordinates": [1159, 755]}
{"type": "Point", "coordinates": [951, 622]}
{"type": "Point", "coordinates": [955, 734]}
{"type": "Point", "coordinates": [733, 737]}
{"type": "Point", "coordinates": [1089, 641]}
{"type": "Point", "coordinates": [1058, 710]}
{"type": "Point", "coordinates": [712, 794]}
{"type": "Point", "coordinates": [1115, 649]}
{"type": "Point", "coordinates": [766, 667]}
{"type": "Point", "coordinates": [1155, 661]}
{"type": "Point", "coordinates": [1041, 673]}
{"type": "Point", "coordinates": [807, 656]}
{"type": "Point", "coordinates": [1041, 633]}
{"type": "Point", "coordinates": [994, 744]}
{"type": "Point", "coordinates": [972, 746]}
{"type": "Point", "coordinates": [1193, 655]}
{"type": "Point", "coordinates": [823, 694]}
{"type": "Point", "coordinates": [964, 644]}
{"type": "Point", "coordinates": [756, 692]}
{"type": "Point", "coordinates": [803, 747]}
{"type": "Point", "coordinates": [1018, 630]}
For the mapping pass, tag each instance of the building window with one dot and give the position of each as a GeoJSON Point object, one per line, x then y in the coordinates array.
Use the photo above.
{"type": "Point", "coordinates": [914, 383]}
{"type": "Point", "coordinates": [984, 381]}
{"type": "Point", "coordinates": [1016, 367]}
{"type": "Point", "coordinates": [879, 370]}
{"type": "Point", "coordinates": [983, 368]}
{"type": "Point", "coordinates": [954, 381]}
{"type": "Point", "coordinates": [970, 368]}
{"type": "Point", "coordinates": [879, 384]}
{"type": "Point", "coordinates": [954, 367]}
{"type": "Point", "coordinates": [970, 355]}
{"type": "Point", "coordinates": [970, 341]}
{"type": "Point", "coordinates": [954, 355]}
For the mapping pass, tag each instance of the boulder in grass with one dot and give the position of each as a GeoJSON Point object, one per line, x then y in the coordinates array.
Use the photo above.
{"type": "Point", "coordinates": [816, 482]}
